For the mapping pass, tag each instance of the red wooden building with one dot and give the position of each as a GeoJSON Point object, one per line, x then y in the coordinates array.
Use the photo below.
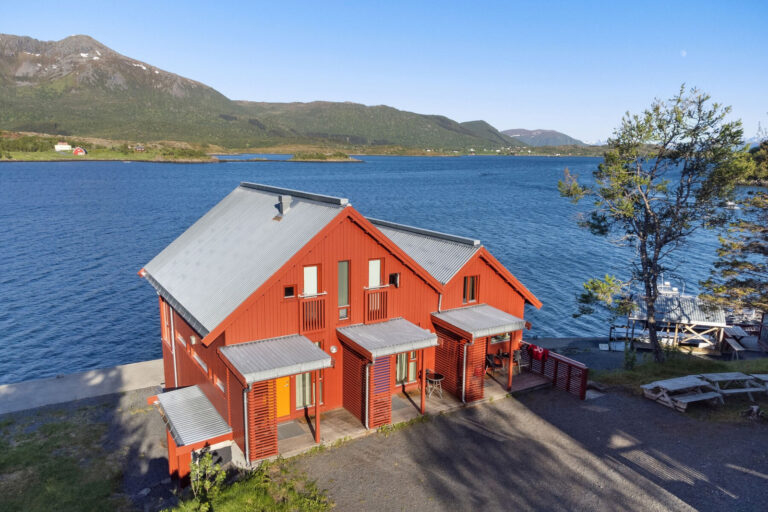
{"type": "Point", "coordinates": [278, 304]}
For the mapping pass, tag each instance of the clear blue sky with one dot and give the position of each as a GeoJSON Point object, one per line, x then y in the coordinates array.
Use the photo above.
{"type": "Point", "coordinates": [570, 66]}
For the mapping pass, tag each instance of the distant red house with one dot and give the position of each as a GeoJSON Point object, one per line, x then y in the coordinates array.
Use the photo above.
{"type": "Point", "coordinates": [78, 151]}
{"type": "Point", "coordinates": [276, 297]}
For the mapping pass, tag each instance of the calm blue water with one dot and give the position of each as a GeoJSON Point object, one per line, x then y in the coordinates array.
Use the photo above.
{"type": "Point", "coordinates": [73, 235]}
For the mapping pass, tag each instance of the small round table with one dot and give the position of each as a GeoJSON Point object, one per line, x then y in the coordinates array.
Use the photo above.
{"type": "Point", "coordinates": [434, 384]}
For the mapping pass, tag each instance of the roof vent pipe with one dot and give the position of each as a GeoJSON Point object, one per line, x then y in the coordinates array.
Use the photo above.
{"type": "Point", "coordinates": [284, 204]}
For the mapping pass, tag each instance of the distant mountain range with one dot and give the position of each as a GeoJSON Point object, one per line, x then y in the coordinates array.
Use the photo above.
{"type": "Point", "coordinates": [79, 86]}
{"type": "Point", "coordinates": [542, 137]}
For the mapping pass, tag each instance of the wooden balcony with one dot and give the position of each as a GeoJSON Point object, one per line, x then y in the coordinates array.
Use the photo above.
{"type": "Point", "coordinates": [376, 304]}
{"type": "Point", "coordinates": [312, 313]}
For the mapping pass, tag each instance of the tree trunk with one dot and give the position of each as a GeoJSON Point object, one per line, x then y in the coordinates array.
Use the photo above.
{"type": "Point", "coordinates": [650, 306]}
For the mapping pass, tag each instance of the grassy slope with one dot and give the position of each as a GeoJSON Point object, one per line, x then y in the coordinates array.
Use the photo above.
{"type": "Point", "coordinates": [484, 130]}
{"type": "Point", "coordinates": [54, 464]}
{"type": "Point", "coordinates": [350, 124]}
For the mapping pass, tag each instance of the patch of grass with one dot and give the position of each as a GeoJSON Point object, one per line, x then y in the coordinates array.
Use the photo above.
{"type": "Point", "coordinates": [386, 430]}
{"type": "Point", "coordinates": [273, 486]}
{"type": "Point", "coordinates": [57, 465]}
{"type": "Point", "coordinates": [677, 365]}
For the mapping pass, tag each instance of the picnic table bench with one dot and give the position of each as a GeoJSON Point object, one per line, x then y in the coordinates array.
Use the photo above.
{"type": "Point", "coordinates": [677, 393]}
{"type": "Point", "coordinates": [761, 379]}
{"type": "Point", "coordinates": [742, 383]}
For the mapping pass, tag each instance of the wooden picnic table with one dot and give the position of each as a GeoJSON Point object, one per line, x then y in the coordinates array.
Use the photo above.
{"type": "Point", "coordinates": [677, 393]}
{"type": "Point", "coordinates": [734, 383]}
{"type": "Point", "coordinates": [735, 332]}
{"type": "Point", "coordinates": [761, 379]}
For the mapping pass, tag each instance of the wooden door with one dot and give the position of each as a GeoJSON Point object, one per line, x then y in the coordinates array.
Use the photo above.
{"type": "Point", "coordinates": [283, 393]}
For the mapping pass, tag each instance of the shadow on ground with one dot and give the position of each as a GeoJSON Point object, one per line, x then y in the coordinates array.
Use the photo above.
{"type": "Point", "coordinates": [549, 451]}
{"type": "Point", "coordinates": [117, 440]}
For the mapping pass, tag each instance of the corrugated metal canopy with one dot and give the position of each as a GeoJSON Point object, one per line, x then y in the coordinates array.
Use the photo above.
{"type": "Point", "coordinates": [679, 309]}
{"type": "Point", "coordinates": [440, 254]}
{"type": "Point", "coordinates": [211, 268]}
{"type": "Point", "coordinates": [480, 320]}
{"type": "Point", "coordinates": [275, 357]}
{"type": "Point", "coordinates": [387, 338]}
{"type": "Point", "coordinates": [190, 416]}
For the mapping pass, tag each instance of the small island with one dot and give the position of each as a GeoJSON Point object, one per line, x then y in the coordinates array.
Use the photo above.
{"type": "Point", "coordinates": [319, 156]}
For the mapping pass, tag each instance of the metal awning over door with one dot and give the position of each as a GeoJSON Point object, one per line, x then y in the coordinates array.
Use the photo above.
{"type": "Point", "coordinates": [386, 338]}
{"type": "Point", "coordinates": [478, 321]}
{"type": "Point", "coordinates": [275, 357]}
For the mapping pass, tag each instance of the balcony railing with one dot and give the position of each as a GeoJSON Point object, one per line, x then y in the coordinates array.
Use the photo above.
{"type": "Point", "coordinates": [312, 313]}
{"type": "Point", "coordinates": [376, 306]}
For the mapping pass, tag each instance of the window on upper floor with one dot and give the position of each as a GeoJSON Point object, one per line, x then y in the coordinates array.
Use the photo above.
{"type": "Point", "coordinates": [374, 273]}
{"type": "Point", "coordinates": [311, 280]}
{"type": "Point", "coordinates": [470, 289]}
{"type": "Point", "coordinates": [289, 291]}
{"type": "Point", "coordinates": [343, 290]}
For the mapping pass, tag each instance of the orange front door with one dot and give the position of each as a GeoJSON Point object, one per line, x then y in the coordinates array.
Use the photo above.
{"type": "Point", "coordinates": [283, 393]}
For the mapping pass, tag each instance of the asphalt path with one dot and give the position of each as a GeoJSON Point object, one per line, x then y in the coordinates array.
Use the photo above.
{"type": "Point", "coordinates": [549, 451]}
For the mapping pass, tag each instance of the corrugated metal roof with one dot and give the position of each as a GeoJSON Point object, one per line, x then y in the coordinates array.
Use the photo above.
{"type": "Point", "coordinates": [276, 357]}
{"type": "Point", "coordinates": [681, 310]}
{"type": "Point", "coordinates": [387, 338]}
{"type": "Point", "coordinates": [440, 254]}
{"type": "Point", "coordinates": [481, 320]}
{"type": "Point", "coordinates": [190, 416]}
{"type": "Point", "coordinates": [234, 248]}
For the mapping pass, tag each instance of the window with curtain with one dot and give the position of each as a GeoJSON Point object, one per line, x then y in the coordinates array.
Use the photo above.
{"type": "Point", "coordinates": [304, 395]}
{"type": "Point", "coordinates": [405, 367]}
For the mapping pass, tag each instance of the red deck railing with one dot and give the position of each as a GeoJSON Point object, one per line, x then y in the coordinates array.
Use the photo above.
{"type": "Point", "coordinates": [564, 373]}
{"type": "Point", "coordinates": [312, 312]}
{"type": "Point", "coordinates": [376, 304]}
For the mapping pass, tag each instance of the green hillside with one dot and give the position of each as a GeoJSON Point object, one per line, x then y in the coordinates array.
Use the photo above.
{"type": "Point", "coordinates": [79, 86]}
{"type": "Point", "coordinates": [485, 131]}
{"type": "Point", "coordinates": [542, 137]}
{"type": "Point", "coordinates": [355, 124]}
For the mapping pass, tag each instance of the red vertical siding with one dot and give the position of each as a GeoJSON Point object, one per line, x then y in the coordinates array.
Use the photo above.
{"type": "Point", "coordinates": [270, 314]}
{"type": "Point", "coordinates": [235, 409]}
{"type": "Point", "coordinates": [262, 420]}
{"type": "Point", "coordinates": [354, 383]}
{"type": "Point", "coordinates": [190, 372]}
{"type": "Point", "coordinates": [380, 392]}
{"type": "Point", "coordinates": [475, 373]}
{"type": "Point", "coordinates": [492, 288]}
{"type": "Point", "coordinates": [167, 366]}
{"type": "Point", "coordinates": [448, 361]}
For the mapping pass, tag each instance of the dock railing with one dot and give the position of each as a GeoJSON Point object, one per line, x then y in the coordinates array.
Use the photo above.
{"type": "Point", "coordinates": [564, 373]}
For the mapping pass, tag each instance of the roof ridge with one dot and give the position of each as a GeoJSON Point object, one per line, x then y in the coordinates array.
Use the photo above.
{"type": "Point", "coordinates": [427, 232]}
{"type": "Point", "coordinates": [339, 201]}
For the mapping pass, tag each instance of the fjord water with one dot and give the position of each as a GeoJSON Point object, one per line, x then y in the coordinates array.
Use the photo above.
{"type": "Point", "coordinates": [74, 235]}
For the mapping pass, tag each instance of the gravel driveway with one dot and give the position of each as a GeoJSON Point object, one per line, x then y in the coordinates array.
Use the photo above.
{"type": "Point", "coordinates": [548, 451]}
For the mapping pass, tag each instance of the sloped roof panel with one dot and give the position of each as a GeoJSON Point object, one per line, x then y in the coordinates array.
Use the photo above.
{"type": "Point", "coordinates": [440, 254]}
{"type": "Point", "coordinates": [276, 357]}
{"type": "Point", "coordinates": [225, 256]}
{"type": "Point", "coordinates": [190, 416]}
{"type": "Point", "coordinates": [480, 320]}
{"type": "Point", "coordinates": [681, 309]}
{"type": "Point", "coordinates": [387, 338]}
